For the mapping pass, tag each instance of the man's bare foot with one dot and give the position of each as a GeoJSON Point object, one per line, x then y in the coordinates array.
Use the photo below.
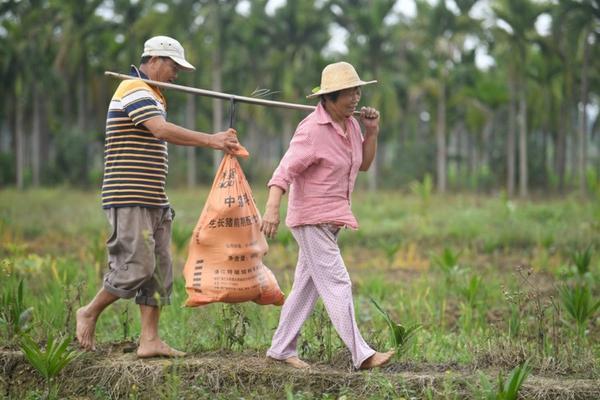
{"type": "Point", "coordinates": [86, 327]}
{"type": "Point", "coordinates": [377, 360]}
{"type": "Point", "coordinates": [293, 362]}
{"type": "Point", "coordinates": [157, 348]}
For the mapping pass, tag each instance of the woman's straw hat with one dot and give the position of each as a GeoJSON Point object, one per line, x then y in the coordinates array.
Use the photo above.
{"type": "Point", "coordinates": [338, 76]}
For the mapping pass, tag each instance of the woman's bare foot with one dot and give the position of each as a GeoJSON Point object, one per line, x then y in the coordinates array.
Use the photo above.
{"type": "Point", "coordinates": [86, 327]}
{"type": "Point", "coordinates": [377, 360]}
{"type": "Point", "coordinates": [293, 362]}
{"type": "Point", "coordinates": [157, 348]}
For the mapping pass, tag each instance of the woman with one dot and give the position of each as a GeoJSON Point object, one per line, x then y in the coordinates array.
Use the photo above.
{"type": "Point", "coordinates": [319, 169]}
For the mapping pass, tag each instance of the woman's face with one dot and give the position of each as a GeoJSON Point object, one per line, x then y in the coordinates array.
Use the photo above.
{"type": "Point", "coordinates": [347, 101]}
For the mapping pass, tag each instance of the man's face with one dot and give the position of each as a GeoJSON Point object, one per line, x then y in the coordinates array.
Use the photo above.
{"type": "Point", "coordinates": [164, 69]}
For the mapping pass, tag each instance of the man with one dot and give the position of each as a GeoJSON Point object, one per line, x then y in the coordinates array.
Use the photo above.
{"type": "Point", "coordinates": [134, 198]}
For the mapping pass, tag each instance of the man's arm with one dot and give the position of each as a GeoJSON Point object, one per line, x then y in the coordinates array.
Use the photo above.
{"type": "Point", "coordinates": [176, 134]}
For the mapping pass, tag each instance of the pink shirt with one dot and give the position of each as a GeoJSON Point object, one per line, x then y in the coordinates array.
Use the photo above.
{"type": "Point", "coordinates": [320, 169]}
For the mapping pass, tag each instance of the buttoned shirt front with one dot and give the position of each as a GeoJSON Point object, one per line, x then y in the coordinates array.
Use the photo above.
{"type": "Point", "coordinates": [319, 169]}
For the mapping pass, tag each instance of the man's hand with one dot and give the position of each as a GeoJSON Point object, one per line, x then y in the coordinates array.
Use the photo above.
{"type": "Point", "coordinates": [226, 141]}
{"type": "Point", "coordinates": [270, 222]}
{"type": "Point", "coordinates": [370, 119]}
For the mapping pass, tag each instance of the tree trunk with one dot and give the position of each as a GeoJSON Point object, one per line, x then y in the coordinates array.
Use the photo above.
{"type": "Point", "coordinates": [36, 136]}
{"type": "Point", "coordinates": [560, 160]}
{"type": "Point", "coordinates": [510, 141]}
{"type": "Point", "coordinates": [440, 135]}
{"type": "Point", "coordinates": [487, 138]}
{"type": "Point", "coordinates": [81, 100]}
{"type": "Point", "coordinates": [20, 102]}
{"type": "Point", "coordinates": [582, 131]}
{"type": "Point", "coordinates": [190, 122]}
{"type": "Point", "coordinates": [523, 175]}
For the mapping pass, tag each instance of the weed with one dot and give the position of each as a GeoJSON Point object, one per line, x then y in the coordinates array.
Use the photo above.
{"type": "Point", "coordinates": [530, 300]}
{"type": "Point", "coordinates": [506, 389]}
{"type": "Point", "coordinates": [400, 335]}
{"type": "Point", "coordinates": [582, 260]}
{"type": "Point", "coordinates": [472, 290]}
{"type": "Point", "coordinates": [15, 317]}
{"type": "Point", "coordinates": [319, 339]}
{"type": "Point", "coordinates": [579, 304]}
{"type": "Point", "coordinates": [125, 321]}
{"type": "Point", "coordinates": [390, 248]}
{"type": "Point", "coordinates": [172, 385]}
{"type": "Point", "coordinates": [234, 326]}
{"type": "Point", "coordinates": [448, 263]}
{"type": "Point", "coordinates": [49, 362]}
{"type": "Point", "coordinates": [423, 191]}
{"type": "Point", "coordinates": [71, 305]}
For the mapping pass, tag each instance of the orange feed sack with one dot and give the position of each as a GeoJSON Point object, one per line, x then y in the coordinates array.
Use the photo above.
{"type": "Point", "coordinates": [225, 253]}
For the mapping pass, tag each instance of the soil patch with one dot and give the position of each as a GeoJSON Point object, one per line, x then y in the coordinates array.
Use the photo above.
{"type": "Point", "coordinates": [115, 372]}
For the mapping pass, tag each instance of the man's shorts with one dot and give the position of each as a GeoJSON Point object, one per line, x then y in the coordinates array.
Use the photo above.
{"type": "Point", "coordinates": [139, 255]}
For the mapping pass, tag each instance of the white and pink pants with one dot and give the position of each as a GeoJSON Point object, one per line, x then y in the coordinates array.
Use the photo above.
{"type": "Point", "coordinates": [320, 272]}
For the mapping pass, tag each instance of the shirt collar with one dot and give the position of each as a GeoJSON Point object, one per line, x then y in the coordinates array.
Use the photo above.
{"type": "Point", "coordinates": [324, 118]}
{"type": "Point", "coordinates": [322, 115]}
{"type": "Point", "coordinates": [137, 72]}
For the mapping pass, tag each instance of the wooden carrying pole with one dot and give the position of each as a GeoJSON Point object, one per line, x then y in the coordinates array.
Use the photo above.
{"type": "Point", "coordinates": [217, 95]}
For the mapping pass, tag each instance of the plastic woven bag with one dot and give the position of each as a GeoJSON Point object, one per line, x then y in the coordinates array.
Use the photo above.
{"type": "Point", "coordinates": [225, 252]}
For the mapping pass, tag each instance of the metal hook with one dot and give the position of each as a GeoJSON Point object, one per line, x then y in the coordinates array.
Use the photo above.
{"type": "Point", "coordinates": [231, 111]}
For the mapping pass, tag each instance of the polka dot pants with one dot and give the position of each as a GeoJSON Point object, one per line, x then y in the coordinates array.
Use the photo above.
{"type": "Point", "coordinates": [320, 272]}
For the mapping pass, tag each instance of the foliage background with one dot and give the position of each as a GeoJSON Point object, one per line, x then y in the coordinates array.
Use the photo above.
{"type": "Point", "coordinates": [514, 123]}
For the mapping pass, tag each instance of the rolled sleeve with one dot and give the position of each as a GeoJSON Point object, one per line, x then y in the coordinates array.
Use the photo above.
{"type": "Point", "coordinates": [299, 156]}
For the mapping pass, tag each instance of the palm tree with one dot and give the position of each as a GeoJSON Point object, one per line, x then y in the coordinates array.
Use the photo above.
{"type": "Point", "coordinates": [582, 19]}
{"type": "Point", "coordinates": [518, 17]}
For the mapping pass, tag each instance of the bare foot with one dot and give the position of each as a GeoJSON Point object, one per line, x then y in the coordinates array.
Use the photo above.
{"type": "Point", "coordinates": [293, 362]}
{"type": "Point", "coordinates": [377, 360]}
{"type": "Point", "coordinates": [157, 348]}
{"type": "Point", "coordinates": [86, 327]}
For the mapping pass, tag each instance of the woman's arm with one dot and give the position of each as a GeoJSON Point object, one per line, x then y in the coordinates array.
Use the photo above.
{"type": "Point", "coordinates": [370, 119]}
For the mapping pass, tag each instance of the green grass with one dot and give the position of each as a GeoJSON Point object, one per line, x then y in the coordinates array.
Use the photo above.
{"type": "Point", "coordinates": [52, 239]}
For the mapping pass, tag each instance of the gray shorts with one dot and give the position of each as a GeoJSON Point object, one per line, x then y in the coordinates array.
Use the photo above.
{"type": "Point", "coordinates": [139, 254]}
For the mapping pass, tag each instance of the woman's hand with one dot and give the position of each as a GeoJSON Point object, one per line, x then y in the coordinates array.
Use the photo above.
{"type": "Point", "coordinates": [370, 119]}
{"type": "Point", "coordinates": [270, 220]}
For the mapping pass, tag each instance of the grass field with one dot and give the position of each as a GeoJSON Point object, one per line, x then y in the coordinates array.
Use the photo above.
{"type": "Point", "coordinates": [492, 283]}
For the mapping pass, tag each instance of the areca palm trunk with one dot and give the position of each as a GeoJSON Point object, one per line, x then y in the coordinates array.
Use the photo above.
{"type": "Point", "coordinates": [440, 135]}
{"type": "Point", "coordinates": [510, 140]}
{"type": "Point", "coordinates": [20, 134]}
{"type": "Point", "coordinates": [523, 174]}
{"type": "Point", "coordinates": [81, 99]}
{"type": "Point", "coordinates": [582, 131]}
{"type": "Point", "coordinates": [36, 136]}
{"type": "Point", "coordinates": [561, 151]}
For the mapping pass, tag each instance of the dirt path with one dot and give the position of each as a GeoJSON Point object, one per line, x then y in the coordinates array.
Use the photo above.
{"type": "Point", "coordinates": [118, 374]}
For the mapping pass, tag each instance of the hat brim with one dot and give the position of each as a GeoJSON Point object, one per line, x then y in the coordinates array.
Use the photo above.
{"type": "Point", "coordinates": [331, 90]}
{"type": "Point", "coordinates": [183, 64]}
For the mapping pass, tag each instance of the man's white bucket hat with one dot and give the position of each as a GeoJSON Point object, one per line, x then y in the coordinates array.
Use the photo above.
{"type": "Point", "coordinates": [338, 76]}
{"type": "Point", "coordinates": [164, 46]}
